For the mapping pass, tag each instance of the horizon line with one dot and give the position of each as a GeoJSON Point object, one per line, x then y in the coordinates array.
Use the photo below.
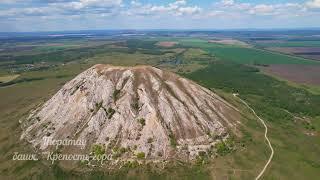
{"type": "Point", "coordinates": [169, 29]}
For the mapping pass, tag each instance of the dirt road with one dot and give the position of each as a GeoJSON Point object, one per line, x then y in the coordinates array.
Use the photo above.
{"type": "Point", "coordinates": [265, 136]}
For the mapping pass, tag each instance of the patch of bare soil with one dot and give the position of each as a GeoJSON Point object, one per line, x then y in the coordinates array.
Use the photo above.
{"type": "Point", "coordinates": [167, 43]}
{"type": "Point", "coordinates": [304, 74]}
{"type": "Point", "coordinates": [229, 42]}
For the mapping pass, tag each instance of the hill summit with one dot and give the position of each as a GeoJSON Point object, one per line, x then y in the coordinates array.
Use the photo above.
{"type": "Point", "coordinates": [132, 112]}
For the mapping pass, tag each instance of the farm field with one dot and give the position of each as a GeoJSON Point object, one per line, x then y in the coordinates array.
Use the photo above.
{"type": "Point", "coordinates": [167, 43]}
{"type": "Point", "coordinates": [305, 46]}
{"type": "Point", "coordinates": [290, 43]}
{"type": "Point", "coordinates": [302, 74]}
{"type": "Point", "coordinates": [243, 55]}
{"type": "Point", "coordinates": [306, 52]}
{"type": "Point", "coordinates": [229, 42]}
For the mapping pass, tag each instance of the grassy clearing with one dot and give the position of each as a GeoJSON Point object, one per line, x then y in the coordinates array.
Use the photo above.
{"type": "Point", "coordinates": [122, 59]}
{"type": "Point", "coordinates": [194, 53]}
{"type": "Point", "coordinates": [189, 60]}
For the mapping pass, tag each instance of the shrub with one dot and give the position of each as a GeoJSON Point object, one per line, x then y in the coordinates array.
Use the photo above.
{"type": "Point", "coordinates": [150, 140]}
{"type": "Point", "coordinates": [115, 95]}
{"type": "Point", "coordinates": [135, 147]}
{"type": "Point", "coordinates": [98, 105]}
{"type": "Point", "coordinates": [222, 148]}
{"type": "Point", "coordinates": [142, 121]}
{"type": "Point", "coordinates": [159, 154]}
{"type": "Point", "coordinates": [141, 155]}
{"type": "Point", "coordinates": [110, 112]}
{"type": "Point", "coordinates": [118, 152]}
{"type": "Point", "coordinates": [122, 150]}
{"type": "Point", "coordinates": [97, 149]}
{"type": "Point", "coordinates": [173, 141]}
{"type": "Point", "coordinates": [309, 126]}
{"type": "Point", "coordinates": [135, 104]}
{"type": "Point", "coordinates": [132, 164]}
{"type": "Point", "coordinates": [202, 153]}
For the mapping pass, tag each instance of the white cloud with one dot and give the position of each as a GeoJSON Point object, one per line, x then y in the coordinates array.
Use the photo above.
{"type": "Point", "coordinates": [227, 2]}
{"type": "Point", "coordinates": [262, 9]}
{"type": "Point", "coordinates": [176, 8]}
{"type": "Point", "coordinates": [179, 3]}
{"type": "Point", "coordinates": [233, 8]}
{"type": "Point", "coordinates": [225, 12]}
{"type": "Point", "coordinates": [313, 4]}
{"type": "Point", "coordinates": [101, 2]}
{"type": "Point", "coordinates": [188, 10]}
{"type": "Point", "coordinates": [215, 13]}
{"type": "Point", "coordinates": [25, 12]}
{"type": "Point", "coordinates": [228, 8]}
{"type": "Point", "coordinates": [8, 1]}
{"type": "Point", "coordinates": [66, 8]}
{"type": "Point", "coordinates": [88, 3]}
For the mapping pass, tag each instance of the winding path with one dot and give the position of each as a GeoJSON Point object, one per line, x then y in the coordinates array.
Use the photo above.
{"type": "Point", "coordinates": [265, 136]}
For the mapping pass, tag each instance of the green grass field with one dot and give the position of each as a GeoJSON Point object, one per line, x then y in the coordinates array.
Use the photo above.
{"type": "Point", "coordinates": [244, 55]}
{"type": "Point", "coordinates": [254, 56]}
{"type": "Point", "coordinates": [292, 44]}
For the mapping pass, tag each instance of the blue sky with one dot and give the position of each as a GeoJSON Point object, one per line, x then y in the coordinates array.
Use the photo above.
{"type": "Point", "coordinates": [58, 15]}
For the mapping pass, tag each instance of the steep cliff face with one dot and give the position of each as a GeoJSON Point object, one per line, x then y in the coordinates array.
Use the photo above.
{"type": "Point", "coordinates": [140, 109]}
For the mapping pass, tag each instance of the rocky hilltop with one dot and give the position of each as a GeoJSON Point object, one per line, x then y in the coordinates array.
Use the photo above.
{"type": "Point", "coordinates": [132, 111]}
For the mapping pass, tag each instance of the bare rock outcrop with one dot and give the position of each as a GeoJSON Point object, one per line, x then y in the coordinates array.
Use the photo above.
{"type": "Point", "coordinates": [134, 110]}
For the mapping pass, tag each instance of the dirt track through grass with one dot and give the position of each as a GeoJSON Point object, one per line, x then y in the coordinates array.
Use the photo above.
{"type": "Point", "coordinates": [265, 136]}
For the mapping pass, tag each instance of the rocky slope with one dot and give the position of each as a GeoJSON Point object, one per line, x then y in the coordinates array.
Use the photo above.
{"type": "Point", "coordinates": [132, 110]}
